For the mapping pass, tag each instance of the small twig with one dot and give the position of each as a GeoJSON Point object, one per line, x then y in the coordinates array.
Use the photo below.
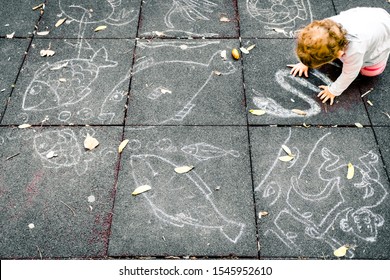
{"type": "Point", "coordinates": [71, 209]}
{"type": "Point", "coordinates": [8, 158]}
{"type": "Point", "coordinates": [367, 92]}
{"type": "Point", "coordinates": [39, 251]}
{"type": "Point", "coordinates": [387, 114]}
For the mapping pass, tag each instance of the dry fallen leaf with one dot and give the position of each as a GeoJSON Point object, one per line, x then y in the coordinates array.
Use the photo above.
{"type": "Point", "coordinates": [370, 103]}
{"type": "Point", "coordinates": [25, 125]}
{"type": "Point", "coordinates": [351, 171]}
{"type": "Point", "coordinates": [31, 226]}
{"type": "Point", "coordinates": [183, 169]}
{"type": "Point", "coordinates": [359, 125]}
{"type": "Point", "coordinates": [299, 112]}
{"type": "Point", "coordinates": [62, 80]}
{"type": "Point", "coordinates": [244, 50]}
{"type": "Point", "coordinates": [90, 143]}
{"type": "Point", "coordinates": [224, 19]}
{"type": "Point", "coordinates": [38, 7]}
{"type": "Point", "coordinates": [159, 34]}
{"type": "Point", "coordinates": [141, 189]}
{"type": "Point", "coordinates": [305, 125]}
{"type": "Point", "coordinates": [122, 145]}
{"type": "Point", "coordinates": [257, 112]}
{"type": "Point", "coordinates": [340, 252]}
{"type": "Point", "coordinates": [223, 55]}
{"type": "Point", "coordinates": [100, 28]}
{"type": "Point", "coordinates": [287, 150]}
{"type": "Point", "coordinates": [43, 33]}
{"type": "Point", "coordinates": [51, 154]}
{"type": "Point", "coordinates": [60, 66]}
{"type": "Point", "coordinates": [10, 36]}
{"type": "Point", "coordinates": [250, 47]}
{"type": "Point", "coordinates": [60, 22]}
{"type": "Point", "coordinates": [217, 73]}
{"type": "Point", "coordinates": [263, 214]}
{"type": "Point", "coordinates": [164, 91]}
{"type": "Point", "coordinates": [47, 53]}
{"type": "Point", "coordinates": [286, 158]}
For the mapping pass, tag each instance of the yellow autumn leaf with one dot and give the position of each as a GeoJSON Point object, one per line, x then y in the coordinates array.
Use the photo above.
{"type": "Point", "coordinates": [60, 22]}
{"type": "Point", "coordinates": [351, 171]}
{"type": "Point", "coordinates": [43, 33]}
{"type": "Point", "coordinates": [224, 19]}
{"type": "Point", "coordinates": [100, 28]}
{"type": "Point", "coordinates": [287, 150]}
{"type": "Point", "coordinates": [122, 145]}
{"type": "Point", "coordinates": [236, 54]}
{"type": "Point", "coordinates": [340, 252]}
{"type": "Point", "coordinates": [263, 214]}
{"type": "Point", "coordinates": [257, 112]}
{"type": "Point", "coordinates": [286, 158]}
{"type": "Point", "coordinates": [183, 169]}
{"type": "Point", "coordinates": [141, 189]}
{"type": "Point", "coordinates": [359, 125]}
{"type": "Point", "coordinates": [25, 125]}
{"type": "Point", "coordinates": [90, 143]}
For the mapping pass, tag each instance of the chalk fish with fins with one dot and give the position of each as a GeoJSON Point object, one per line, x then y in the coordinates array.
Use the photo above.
{"type": "Point", "coordinates": [204, 151]}
{"type": "Point", "coordinates": [180, 199]}
{"type": "Point", "coordinates": [64, 82]}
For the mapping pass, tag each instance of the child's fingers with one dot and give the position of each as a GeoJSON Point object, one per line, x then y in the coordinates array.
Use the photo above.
{"type": "Point", "coordinates": [291, 65]}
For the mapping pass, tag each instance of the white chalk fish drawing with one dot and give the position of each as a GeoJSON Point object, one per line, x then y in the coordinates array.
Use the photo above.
{"type": "Point", "coordinates": [280, 13]}
{"type": "Point", "coordinates": [204, 151]}
{"type": "Point", "coordinates": [63, 144]}
{"type": "Point", "coordinates": [194, 208]}
{"type": "Point", "coordinates": [186, 87]}
{"type": "Point", "coordinates": [274, 108]}
{"type": "Point", "coordinates": [69, 84]}
{"type": "Point", "coordinates": [97, 11]}
{"type": "Point", "coordinates": [189, 10]}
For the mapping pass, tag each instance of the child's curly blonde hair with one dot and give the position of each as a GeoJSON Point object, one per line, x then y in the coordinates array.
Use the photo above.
{"type": "Point", "coordinates": [320, 42]}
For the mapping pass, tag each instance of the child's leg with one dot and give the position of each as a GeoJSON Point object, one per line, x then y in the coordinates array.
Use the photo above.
{"type": "Point", "coordinates": [374, 70]}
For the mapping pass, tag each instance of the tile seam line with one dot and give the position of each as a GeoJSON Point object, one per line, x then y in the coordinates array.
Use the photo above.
{"type": "Point", "coordinates": [119, 158]}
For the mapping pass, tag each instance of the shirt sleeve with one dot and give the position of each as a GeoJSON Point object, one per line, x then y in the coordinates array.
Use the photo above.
{"type": "Point", "coordinates": [350, 70]}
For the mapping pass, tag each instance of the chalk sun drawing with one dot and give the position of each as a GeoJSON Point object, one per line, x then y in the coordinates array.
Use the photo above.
{"type": "Point", "coordinates": [348, 205]}
{"type": "Point", "coordinates": [194, 208]}
{"type": "Point", "coordinates": [274, 108]}
{"type": "Point", "coordinates": [280, 15]}
{"type": "Point", "coordinates": [165, 96]}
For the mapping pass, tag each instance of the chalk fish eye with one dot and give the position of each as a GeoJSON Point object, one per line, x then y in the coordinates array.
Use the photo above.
{"type": "Point", "coordinates": [36, 90]}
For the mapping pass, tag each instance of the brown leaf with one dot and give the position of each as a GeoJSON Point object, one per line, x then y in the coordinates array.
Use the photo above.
{"type": "Point", "coordinates": [235, 54]}
{"type": "Point", "coordinates": [90, 143]}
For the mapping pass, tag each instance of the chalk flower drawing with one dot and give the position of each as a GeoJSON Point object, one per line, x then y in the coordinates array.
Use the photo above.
{"type": "Point", "coordinates": [280, 14]}
{"type": "Point", "coordinates": [349, 205]}
{"type": "Point", "coordinates": [194, 208]}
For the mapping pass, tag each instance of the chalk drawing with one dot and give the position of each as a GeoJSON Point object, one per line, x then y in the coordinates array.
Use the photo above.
{"type": "Point", "coordinates": [85, 114]}
{"type": "Point", "coordinates": [64, 116]}
{"type": "Point", "coordinates": [280, 16]}
{"type": "Point", "coordinates": [203, 151]}
{"type": "Point", "coordinates": [194, 208]}
{"type": "Point", "coordinates": [272, 107]}
{"type": "Point", "coordinates": [349, 205]}
{"type": "Point", "coordinates": [165, 96]}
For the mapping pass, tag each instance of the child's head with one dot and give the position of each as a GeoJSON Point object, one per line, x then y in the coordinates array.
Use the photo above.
{"type": "Point", "coordinates": [320, 42]}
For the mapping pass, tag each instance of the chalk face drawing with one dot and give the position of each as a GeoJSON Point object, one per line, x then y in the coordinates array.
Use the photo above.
{"type": "Point", "coordinates": [195, 207]}
{"type": "Point", "coordinates": [280, 16]}
{"type": "Point", "coordinates": [285, 80]}
{"type": "Point", "coordinates": [327, 208]}
{"type": "Point", "coordinates": [174, 101]}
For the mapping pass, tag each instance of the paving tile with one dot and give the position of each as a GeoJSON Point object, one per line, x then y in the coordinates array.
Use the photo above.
{"type": "Point", "coordinates": [19, 17]}
{"type": "Point", "coordinates": [11, 56]}
{"type": "Point", "coordinates": [279, 19]}
{"type": "Point", "coordinates": [56, 207]}
{"type": "Point", "coordinates": [189, 19]}
{"type": "Point", "coordinates": [270, 87]}
{"type": "Point", "coordinates": [90, 85]}
{"type": "Point", "coordinates": [205, 212]}
{"type": "Point", "coordinates": [119, 17]}
{"type": "Point", "coordinates": [175, 82]}
{"type": "Point", "coordinates": [313, 208]}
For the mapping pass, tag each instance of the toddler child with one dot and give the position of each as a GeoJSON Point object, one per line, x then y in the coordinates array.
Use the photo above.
{"type": "Point", "coordinates": [359, 37]}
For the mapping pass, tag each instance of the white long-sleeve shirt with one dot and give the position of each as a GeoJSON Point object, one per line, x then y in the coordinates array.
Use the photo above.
{"type": "Point", "coordinates": [368, 33]}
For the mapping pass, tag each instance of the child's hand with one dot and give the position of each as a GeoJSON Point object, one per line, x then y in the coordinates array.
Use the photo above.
{"type": "Point", "coordinates": [325, 95]}
{"type": "Point", "coordinates": [299, 69]}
